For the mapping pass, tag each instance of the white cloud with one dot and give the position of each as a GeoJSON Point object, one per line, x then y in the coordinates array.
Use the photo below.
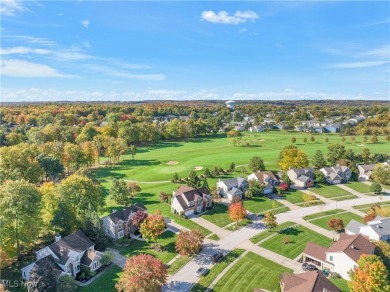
{"type": "Point", "coordinates": [123, 74]}
{"type": "Point", "coordinates": [11, 7]}
{"type": "Point", "coordinates": [224, 17]}
{"type": "Point", "coordinates": [21, 68]}
{"type": "Point", "coordinates": [381, 52]}
{"type": "Point", "coordinates": [85, 23]}
{"type": "Point", "coordinates": [242, 30]}
{"type": "Point", "coordinates": [23, 50]}
{"type": "Point", "coordinates": [354, 65]}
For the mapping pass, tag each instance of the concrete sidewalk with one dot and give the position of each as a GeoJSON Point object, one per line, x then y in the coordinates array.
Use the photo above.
{"type": "Point", "coordinates": [288, 204]}
{"type": "Point", "coordinates": [325, 200]}
{"type": "Point", "coordinates": [320, 230]}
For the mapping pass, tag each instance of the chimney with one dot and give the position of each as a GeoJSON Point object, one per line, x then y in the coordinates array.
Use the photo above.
{"type": "Point", "coordinates": [57, 237]}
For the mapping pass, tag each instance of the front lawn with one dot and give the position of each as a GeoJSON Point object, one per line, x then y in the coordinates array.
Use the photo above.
{"type": "Point", "coordinates": [167, 240]}
{"type": "Point", "coordinates": [215, 270]}
{"type": "Point", "coordinates": [257, 238]}
{"type": "Point", "coordinates": [235, 227]}
{"type": "Point", "coordinates": [322, 214]}
{"type": "Point", "coordinates": [297, 240]}
{"type": "Point", "coordinates": [106, 282]}
{"type": "Point", "coordinates": [330, 191]}
{"type": "Point", "coordinates": [359, 187]}
{"type": "Point", "coordinates": [213, 237]}
{"type": "Point", "coordinates": [218, 215]}
{"type": "Point", "coordinates": [294, 196]}
{"type": "Point", "coordinates": [364, 208]}
{"type": "Point", "coordinates": [250, 272]}
{"type": "Point", "coordinates": [261, 204]}
{"type": "Point", "coordinates": [178, 264]}
{"type": "Point", "coordinates": [350, 197]}
{"type": "Point", "coordinates": [346, 217]}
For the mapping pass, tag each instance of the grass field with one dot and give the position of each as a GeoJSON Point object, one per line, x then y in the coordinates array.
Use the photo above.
{"type": "Point", "coordinates": [294, 196]}
{"type": "Point", "coordinates": [260, 204]}
{"type": "Point", "coordinates": [257, 238]}
{"type": "Point", "coordinates": [322, 214]}
{"type": "Point", "coordinates": [218, 215]}
{"type": "Point", "coordinates": [105, 282]}
{"type": "Point", "coordinates": [359, 187]}
{"type": "Point", "coordinates": [216, 269]}
{"type": "Point", "coordinates": [346, 217]}
{"type": "Point", "coordinates": [330, 191]}
{"type": "Point", "coordinates": [298, 237]}
{"type": "Point", "coordinates": [178, 264]}
{"type": "Point", "coordinates": [167, 239]}
{"type": "Point", "coordinates": [250, 272]}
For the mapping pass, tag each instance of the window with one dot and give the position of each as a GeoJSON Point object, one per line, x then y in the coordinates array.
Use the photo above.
{"type": "Point", "coordinates": [77, 268]}
{"type": "Point", "coordinates": [331, 258]}
{"type": "Point", "coordinates": [24, 274]}
{"type": "Point", "coordinates": [192, 203]}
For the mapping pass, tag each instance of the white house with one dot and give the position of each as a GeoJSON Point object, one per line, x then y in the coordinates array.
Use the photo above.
{"type": "Point", "coordinates": [187, 200]}
{"type": "Point", "coordinates": [365, 171]}
{"type": "Point", "coordinates": [267, 178]}
{"type": "Point", "coordinates": [231, 188]}
{"type": "Point", "coordinates": [377, 229]}
{"type": "Point", "coordinates": [68, 254]}
{"type": "Point", "coordinates": [342, 256]}
{"type": "Point", "coordinates": [336, 174]}
{"type": "Point", "coordinates": [256, 129]}
{"type": "Point", "coordinates": [302, 177]}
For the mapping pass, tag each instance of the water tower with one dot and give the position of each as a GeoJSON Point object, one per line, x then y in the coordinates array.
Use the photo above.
{"type": "Point", "coordinates": [230, 104]}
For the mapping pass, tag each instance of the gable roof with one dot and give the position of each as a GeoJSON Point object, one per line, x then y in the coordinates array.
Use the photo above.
{"type": "Point", "coordinates": [367, 167]}
{"type": "Point", "coordinates": [352, 245]}
{"type": "Point", "coordinates": [308, 171]}
{"type": "Point", "coordinates": [304, 178]}
{"type": "Point", "coordinates": [125, 213]}
{"type": "Point", "coordinates": [263, 175]}
{"type": "Point", "coordinates": [89, 256]}
{"type": "Point", "coordinates": [316, 251]}
{"type": "Point", "coordinates": [234, 182]}
{"type": "Point", "coordinates": [305, 282]}
{"type": "Point", "coordinates": [354, 226]}
{"type": "Point", "coordinates": [51, 262]}
{"type": "Point", "coordinates": [190, 194]}
{"type": "Point", "coordinates": [234, 191]}
{"type": "Point", "coordinates": [380, 225]}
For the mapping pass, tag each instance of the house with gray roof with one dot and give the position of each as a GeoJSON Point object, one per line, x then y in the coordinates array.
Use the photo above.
{"type": "Point", "coordinates": [365, 171]}
{"type": "Point", "coordinates": [118, 224]}
{"type": "Point", "coordinates": [232, 188]}
{"type": "Point", "coordinates": [336, 174]}
{"type": "Point", "coordinates": [68, 254]}
{"type": "Point", "coordinates": [302, 177]}
{"type": "Point", "coordinates": [377, 229]}
{"type": "Point", "coordinates": [187, 200]}
{"type": "Point", "coordinates": [267, 178]}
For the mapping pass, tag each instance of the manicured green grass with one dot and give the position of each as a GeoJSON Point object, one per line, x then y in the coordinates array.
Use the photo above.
{"type": "Point", "coordinates": [341, 284]}
{"type": "Point", "coordinates": [178, 264]}
{"type": "Point", "coordinates": [294, 196]}
{"type": "Point", "coordinates": [298, 238]}
{"type": "Point", "coordinates": [321, 214]}
{"type": "Point", "coordinates": [345, 198]}
{"type": "Point", "coordinates": [235, 227]}
{"type": "Point", "coordinates": [257, 238]}
{"type": "Point", "coordinates": [218, 215]}
{"type": "Point", "coordinates": [330, 191]}
{"type": "Point", "coordinates": [346, 217]}
{"type": "Point", "coordinates": [215, 270]}
{"type": "Point", "coordinates": [364, 208]}
{"type": "Point", "coordinates": [106, 282]}
{"type": "Point", "coordinates": [359, 187]}
{"type": "Point", "coordinates": [250, 272]}
{"type": "Point", "coordinates": [261, 204]}
{"type": "Point", "coordinates": [167, 239]}
{"type": "Point", "coordinates": [213, 237]}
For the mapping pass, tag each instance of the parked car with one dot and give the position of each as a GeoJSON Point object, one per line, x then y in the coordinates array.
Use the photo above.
{"type": "Point", "coordinates": [215, 258]}
{"type": "Point", "coordinates": [202, 271]}
{"type": "Point", "coordinates": [309, 267]}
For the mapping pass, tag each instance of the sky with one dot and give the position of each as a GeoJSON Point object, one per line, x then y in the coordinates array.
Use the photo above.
{"type": "Point", "coordinates": [190, 50]}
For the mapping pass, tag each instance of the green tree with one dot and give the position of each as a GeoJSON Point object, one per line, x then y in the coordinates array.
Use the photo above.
{"type": "Point", "coordinates": [335, 152]}
{"type": "Point", "coordinates": [20, 204]}
{"type": "Point", "coordinates": [319, 160]}
{"type": "Point", "coordinates": [195, 181]}
{"type": "Point", "coordinates": [376, 188]}
{"type": "Point", "coordinates": [381, 174]}
{"type": "Point", "coordinates": [312, 139]}
{"type": "Point", "coordinates": [366, 156]}
{"type": "Point", "coordinates": [207, 172]}
{"type": "Point", "coordinates": [64, 219]}
{"type": "Point", "coordinates": [120, 192]}
{"type": "Point", "coordinates": [133, 151]}
{"type": "Point", "coordinates": [50, 165]}
{"type": "Point", "coordinates": [374, 139]}
{"type": "Point", "coordinates": [107, 258]}
{"type": "Point", "coordinates": [234, 136]}
{"type": "Point", "coordinates": [293, 140]}
{"type": "Point", "coordinates": [269, 220]}
{"type": "Point", "coordinates": [256, 163]}
{"type": "Point", "coordinates": [232, 166]}
{"type": "Point", "coordinates": [66, 283]}
{"type": "Point", "coordinates": [319, 177]}
{"type": "Point", "coordinates": [93, 229]}
{"type": "Point", "coordinates": [255, 188]}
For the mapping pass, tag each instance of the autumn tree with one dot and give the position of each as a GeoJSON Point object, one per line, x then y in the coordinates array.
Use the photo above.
{"type": "Point", "coordinates": [383, 250]}
{"type": "Point", "coordinates": [142, 272]}
{"type": "Point", "coordinates": [312, 139]}
{"type": "Point", "coordinates": [50, 165]}
{"type": "Point", "coordinates": [269, 220]}
{"type": "Point", "coordinates": [255, 188]}
{"type": "Point", "coordinates": [164, 197]}
{"type": "Point", "coordinates": [369, 217]}
{"type": "Point", "coordinates": [319, 160]}
{"type": "Point", "coordinates": [374, 139]}
{"type": "Point", "coordinates": [133, 151]}
{"type": "Point", "coordinates": [370, 275]}
{"type": "Point", "coordinates": [137, 219]}
{"type": "Point", "coordinates": [49, 202]}
{"type": "Point", "coordinates": [256, 163]}
{"type": "Point", "coordinates": [189, 242]}
{"type": "Point", "coordinates": [381, 174]}
{"type": "Point", "coordinates": [20, 204]}
{"type": "Point", "coordinates": [152, 227]}
{"type": "Point", "coordinates": [237, 212]}
{"type": "Point", "coordinates": [291, 156]}
{"type": "Point", "coordinates": [134, 189]}
{"type": "Point", "coordinates": [234, 136]}
{"type": "Point", "coordinates": [336, 224]}
{"type": "Point", "coordinates": [293, 140]}
{"type": "Point", "coordinates": [3, 288]}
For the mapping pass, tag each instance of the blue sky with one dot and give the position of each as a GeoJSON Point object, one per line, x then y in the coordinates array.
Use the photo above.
{"type": "Point", "coordinates": [105, 50]}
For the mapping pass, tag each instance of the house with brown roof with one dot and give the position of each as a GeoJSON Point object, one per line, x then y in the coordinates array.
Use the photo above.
{"type": "Point", "coordinates": [336, 174]}
{"type": "Point", "coordinates": [342, 256]}
{"type": "Point", "coordinates": [118, 224]}
{"type": "Point", "coordinates": [365, 171]}
{"type": "Point", "coordinates": [68, 254]}
{"type": "Point", "coordinates": [302, 177]}
{"type": "Point", "coordinates": [313, 281]}
{"type": "Point", "coordinates": [187, 200]}
{"type": "Point", "coordinates": [267, 178]}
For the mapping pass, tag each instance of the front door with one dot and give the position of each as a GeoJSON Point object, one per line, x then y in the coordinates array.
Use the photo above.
{"type": "Point", "coordinates": [199, 208]}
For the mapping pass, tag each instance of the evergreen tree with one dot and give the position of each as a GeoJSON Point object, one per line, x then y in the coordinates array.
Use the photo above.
{"type": "Point", "coordinates": [318, 159]}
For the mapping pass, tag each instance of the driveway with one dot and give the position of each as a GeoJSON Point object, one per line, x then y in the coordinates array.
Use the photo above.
{"type": "Point", "coordinates": [119, 259]}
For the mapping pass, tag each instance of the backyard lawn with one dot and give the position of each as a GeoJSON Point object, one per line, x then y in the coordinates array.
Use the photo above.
{"type": "Point", "coordinates": [218, 215]}
{"type": "Point", "coordinates": [261, 204]}
{"type": "Point", "coordinates": [297, 240]}
{"type": "Point", "coordinates": [106, 282]}
{"type": "Point", "coordinates": [341, 284]}
{"type": "Point", "coordinates": [346, 217]}
{"type": "Point", "coordinates": [257, 238]}
{"type": "Point", "coordinates": [216, 269]}
{"type": "Point", "coordinates": [330, 191]}
{"type": "Point", "coordinates": [167, 240]}
{"type": "Point", "coordinates": [250, 272]}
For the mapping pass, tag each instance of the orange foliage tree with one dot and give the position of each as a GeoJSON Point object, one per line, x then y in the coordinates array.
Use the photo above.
{"type": "Point", "coordinates": [153, 226]}
{"type": "Point", "coordinates": [189, 242]}
{"type": "Point", "coordinates": [237, 212]}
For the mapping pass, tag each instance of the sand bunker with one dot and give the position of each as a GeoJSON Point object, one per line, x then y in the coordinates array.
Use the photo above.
{"type": "Point", "coordinates": [172, 162]}
{"type": "Point", "coordinates": [361, 145]}
{"type": "Point", "coordinates": [198, 168]}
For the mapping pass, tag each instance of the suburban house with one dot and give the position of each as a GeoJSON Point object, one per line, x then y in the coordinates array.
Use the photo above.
{"type": "Point", "coordinates": [231, 188]}
{"type": "Point", "coordinates": [187, 200]}
{"type": "Point", "coordinates": [332, 128]}
{"type": "Point", "coordinates": [266, 177]}
{"type": "Point", "coordinates": [118, 224]}
{"type": "Point", "coordinates": [336, 174]}
{"type": "Point", "coordinates": [256, 129]}
{"type": "Point", "coordinates": [341, 256]}
{"type": "Point", "coordinates": [302, 177]}
{"type": "Point", "coordinates": [313, 281]}
{"type": "Point", "coordinates": [365, 171]}
{"type": "Point", "coordinates": [68, 254]}
{"type": "Point", "coordinates": [377, 229]}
